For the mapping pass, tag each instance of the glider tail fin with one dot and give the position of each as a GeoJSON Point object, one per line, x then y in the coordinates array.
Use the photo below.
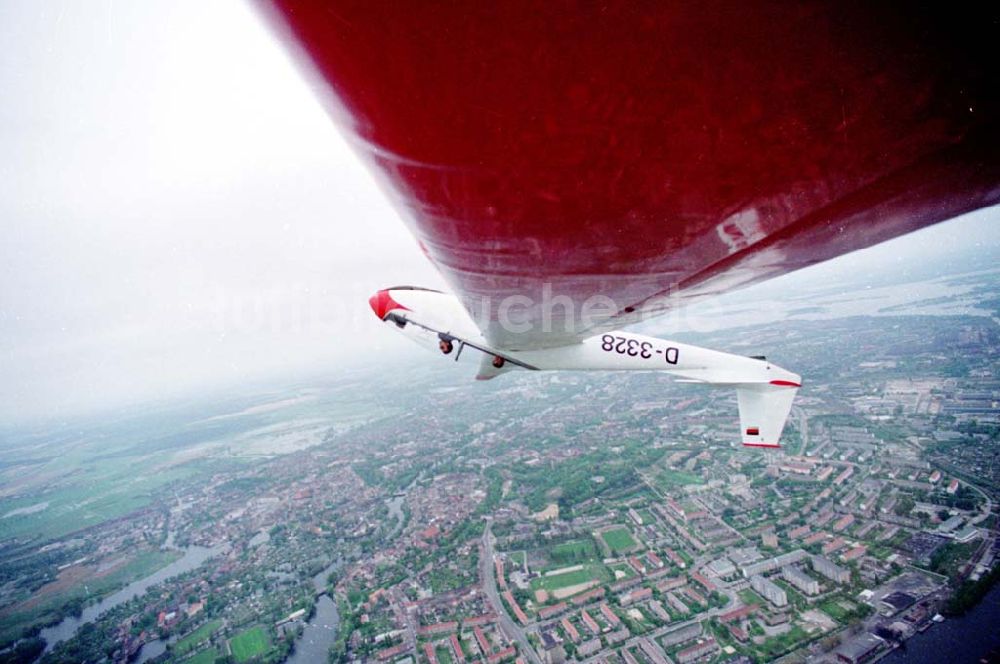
{"type": "Point", "coordinates": [764, 408]}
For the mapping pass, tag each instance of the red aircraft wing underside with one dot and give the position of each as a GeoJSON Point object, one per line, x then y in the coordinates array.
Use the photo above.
{"type": "Point", "coordinates": [642, 150]}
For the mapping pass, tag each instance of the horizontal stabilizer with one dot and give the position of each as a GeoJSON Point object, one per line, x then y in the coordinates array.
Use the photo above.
{"type": "Point", "coordinates": [763, 411]}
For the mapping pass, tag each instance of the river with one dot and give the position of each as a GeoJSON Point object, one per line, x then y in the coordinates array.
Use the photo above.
{"type": "Point", "coordinates": [153, 648]}
{"type": "Point", "coordinates": [193, 556]}
{"type": "Point", "coordinates": [956, 640]}
{"type": "Point", "coordinates": [321, 631]}
{"type": "Point", "coordinates": [395, 506]}
{"type": "Point", "coordinates": [317, 635]}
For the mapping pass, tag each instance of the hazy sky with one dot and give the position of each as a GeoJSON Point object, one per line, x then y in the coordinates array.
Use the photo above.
{"type": "Point", "coordinates": [178, 213]}
{"type": "Point", "coordinates": [176, 208]}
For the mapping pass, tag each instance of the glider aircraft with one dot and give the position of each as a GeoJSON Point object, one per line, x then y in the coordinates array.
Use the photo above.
{"type": "Point", "coordinates": [572, 168]}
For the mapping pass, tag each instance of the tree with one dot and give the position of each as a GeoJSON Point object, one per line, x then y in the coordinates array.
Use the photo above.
{"type": "Point", "coordinates": [27, 650]}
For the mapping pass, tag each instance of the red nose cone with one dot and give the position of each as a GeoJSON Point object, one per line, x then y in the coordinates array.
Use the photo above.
{"type": "Point", "coordinates": [382, 303]}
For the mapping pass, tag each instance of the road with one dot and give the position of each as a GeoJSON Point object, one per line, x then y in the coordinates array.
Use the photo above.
{"type": "Point", "coordinates": [987, 505]}
{"type": "Point", "coordinates": [487, 580]}
{"type": "Point", "coordinates": [803, 429]}
{"type": "Point", "coordinates": [987, 501]}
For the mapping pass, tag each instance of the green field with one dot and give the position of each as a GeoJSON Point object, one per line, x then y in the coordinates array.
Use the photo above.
{"type": "Point", "coordinates": [588, 573]}
{"type": "Point", "coordinates": [191, 641]}
{"type": "Point", "coordinates": [619, 540]}
{"type": "Point", "coordinates": [672, 478]}
{"type": "Point", "coordinates": [204, 657]}
{"type": "Point", "coordinates": [834, 609]}
{"type": "Point", "coordinates": [574, 551]}
{"type": "Point", "coordinates": [749, 597]}
{"type": "Point", "coordinates": [12, 622]}
{"type": "Point", "coordinates": [93, 496]}
{"type": "Point", "coordinates": [249, 644]}
{"type": "Point", "coordinates": [70, 479]}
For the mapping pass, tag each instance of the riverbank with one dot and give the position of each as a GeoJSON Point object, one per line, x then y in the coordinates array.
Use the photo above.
{"type": "Point", "coordinates": [968, 638]}
{"type": "Point", "coordinates": [192, 558]}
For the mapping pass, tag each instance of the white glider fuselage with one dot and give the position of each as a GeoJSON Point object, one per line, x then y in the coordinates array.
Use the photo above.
{"type": "Point", "coordinates": [765, 391]}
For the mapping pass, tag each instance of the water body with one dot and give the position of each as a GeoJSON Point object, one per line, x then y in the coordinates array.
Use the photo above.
{"type": "Point", "coordinates": [395, 506]}
{"type": "Point", "coordinates": [193, 556]}
{"type": "Point", "coordinates": [956, 640]}
{"type": "Point", "coordinates": [319, 633]}
{"type": "Point", "coordinates": [319, 581]}
{"type": "Point", "coordinates": [154, 648]}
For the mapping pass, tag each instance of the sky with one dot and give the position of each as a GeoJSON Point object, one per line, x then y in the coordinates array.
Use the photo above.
{"type": "Point", "coordinates": [179, 214]}
{"type": "Point", "coordinates": [177, 210]}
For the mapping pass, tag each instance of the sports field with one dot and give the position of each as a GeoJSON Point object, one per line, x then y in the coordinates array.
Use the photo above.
{"type": "Point", "coordinates": [204, 657]}
{"type": "Point", "coordinates": [192, 640]}
{"type": "Point", "coordinates": [619, 540]}
{"type": "Point", "coordinates": [574, 551]}
{"type": "Point", "coordinates": [247, 645]}
{"type": "Point", "coordinates": [588, 573]}
{"type": "Point", "coordinates": [669, 478]}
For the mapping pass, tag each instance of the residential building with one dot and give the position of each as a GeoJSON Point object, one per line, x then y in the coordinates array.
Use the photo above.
{"type": "Point", "coordinates": [768, 590]}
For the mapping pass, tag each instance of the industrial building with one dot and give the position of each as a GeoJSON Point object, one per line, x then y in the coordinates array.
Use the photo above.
{"type": "Point", "coordinates": [859, 649]}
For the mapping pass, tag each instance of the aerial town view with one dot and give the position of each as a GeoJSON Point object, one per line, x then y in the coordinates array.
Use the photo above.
{"type": "Point", "coordinates": [710, 290]}
{"type": "Point", "coordinates": [564, 517]}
